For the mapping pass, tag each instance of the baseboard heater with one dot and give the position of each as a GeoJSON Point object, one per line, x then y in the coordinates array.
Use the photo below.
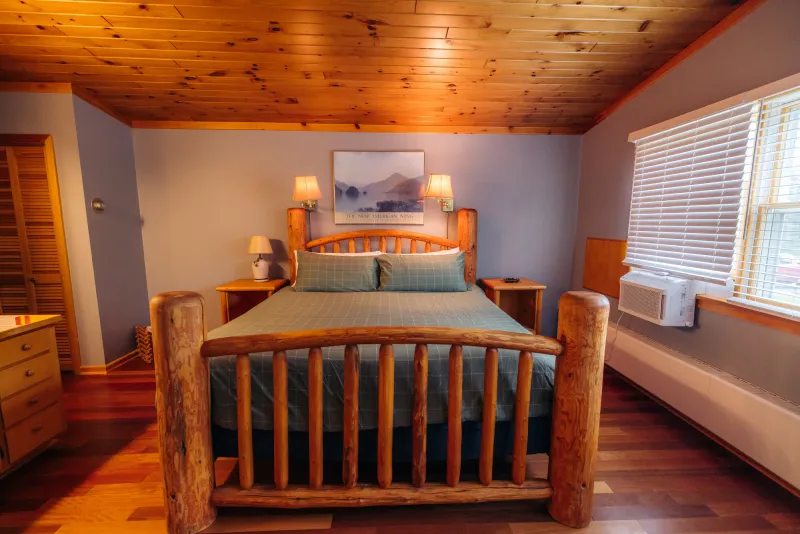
{"type": "Point", "coordinates": [763, 427]}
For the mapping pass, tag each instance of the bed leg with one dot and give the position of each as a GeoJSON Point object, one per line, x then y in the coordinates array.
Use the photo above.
{"type": "Point", "coordinates": [183, 407]}
{"type": "Point", "coordinates": [582, 324]}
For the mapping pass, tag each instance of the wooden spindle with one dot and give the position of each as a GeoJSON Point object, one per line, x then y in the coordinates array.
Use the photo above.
{"type": "Point", "coordinates": [322, 249]}
{"type": "Point", "coordinates": [420, 416]}
{"type": "Point", "coordinates": [280, 418]}
{"type": "Point", "coordinates": [521, 409]}
{"type": "Point", "coordinates": [427, 246]}
{"type": "Point", "coordinates": [382, 244]}
{"type": "Point", "coordinates": [413, 247]}
{"type": "Point", "coordinates": [366, 244]}
{"type": "Point", "coordinates": [489, 416]}
{"type": "Point", "coordinates": [336, 247]}
{"type": "Point", "coordinates": [398, 245]}
{"type": "Point", "coordinates": [385, 414]}
{"type": "Point", "coordinates": [351, 245]}
{"type": "Point", "coordinates": [350, 430]}
{"type": "Point", "coordinates": [582, 323]}
{"type": "Point", "coordinates": [315, 417]}
{"type": "Point", "coordinates": [244, 421]}
{"type": "Point", "coordinates": [454, 415]}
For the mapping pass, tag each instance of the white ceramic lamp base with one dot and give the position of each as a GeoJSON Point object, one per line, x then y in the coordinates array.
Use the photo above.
{"type": "Point", "coordinates": [260, 270]}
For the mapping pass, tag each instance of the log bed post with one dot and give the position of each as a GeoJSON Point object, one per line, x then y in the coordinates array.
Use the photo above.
{"type": "Point", "coordinates": [582, 325]}
{"type": "Point", "coordinates": [183, 406]}
{"type": "Point", "coordinates": [468, 242]}
{"type": "Point", "coordinates": [298, 237]}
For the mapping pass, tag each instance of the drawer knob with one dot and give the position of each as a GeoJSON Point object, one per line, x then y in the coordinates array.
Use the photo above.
{"type": "Point", "coordinates": [33, 402]}
{"type": "Point", "coordinates": [37, 428]}
{"type": "Point", "coordinates": [26, 347]}
{"type": "Point", "coordinates": [30, 372]}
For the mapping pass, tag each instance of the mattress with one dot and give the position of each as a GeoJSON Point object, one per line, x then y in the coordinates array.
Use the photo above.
{"type": "Point", "coordinates": [289, 310]}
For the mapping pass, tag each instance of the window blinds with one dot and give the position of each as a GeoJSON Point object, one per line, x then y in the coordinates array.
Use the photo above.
{"type": "Point", "coordinates": [687, 192]}
{"type": "Point", "coordinates": [767, 263]}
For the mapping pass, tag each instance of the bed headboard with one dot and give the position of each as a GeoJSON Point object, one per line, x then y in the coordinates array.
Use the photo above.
{"type": "Point", "coordinates": [386, 239]}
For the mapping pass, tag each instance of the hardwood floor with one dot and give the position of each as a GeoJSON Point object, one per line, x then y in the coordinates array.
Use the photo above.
{"type": "Point", "coordinates": [656, 476]}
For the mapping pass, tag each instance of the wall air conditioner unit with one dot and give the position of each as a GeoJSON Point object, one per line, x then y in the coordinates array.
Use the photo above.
{"type": "Point", "coordinates": [658, 298]}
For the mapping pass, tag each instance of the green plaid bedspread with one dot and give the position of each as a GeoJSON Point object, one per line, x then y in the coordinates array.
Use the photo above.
{"type": "Point", "coordinates": [289, 310]}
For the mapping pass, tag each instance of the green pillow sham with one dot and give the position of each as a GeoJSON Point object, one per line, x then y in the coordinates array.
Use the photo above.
{"type": "Point", "coordinates": [334, 273]}
{"type": "Point", "coordinates": [422, 272]}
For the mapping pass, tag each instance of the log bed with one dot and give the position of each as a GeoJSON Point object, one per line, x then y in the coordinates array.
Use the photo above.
{"type": "Point", "coordinates": [183, 402]}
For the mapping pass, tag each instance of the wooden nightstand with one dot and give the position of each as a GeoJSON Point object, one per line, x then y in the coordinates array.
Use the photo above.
{"type": "Point", "coordinates": [241, 296]}
{"type": "Point", "coordinates": [522, 300]}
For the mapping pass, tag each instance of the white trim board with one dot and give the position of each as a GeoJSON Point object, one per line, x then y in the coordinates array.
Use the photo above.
{"type": "Point", "coordinates": [763, 426]}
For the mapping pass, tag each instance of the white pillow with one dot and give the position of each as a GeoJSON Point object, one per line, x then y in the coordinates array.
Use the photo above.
{"type": "Point", "coordinates": [435, 253]}
{"type": "Point", "coordinates": [371, 253]}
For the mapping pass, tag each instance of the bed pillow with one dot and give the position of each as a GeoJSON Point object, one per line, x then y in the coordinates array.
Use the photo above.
{"type": "Point", "coordinates": [422, 272]}
{"type": "Point", "coordinates": [335, 272]}
{"type": "Point", "coordinates": [447, 252]}
{"type": "Point", "coordinates": [374, 253]}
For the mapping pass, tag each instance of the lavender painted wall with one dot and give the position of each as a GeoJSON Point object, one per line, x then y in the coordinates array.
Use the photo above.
{"type": "Point", "coordinates": [202, 194]}
{"type": "Point", "coordinates": [109, 173]}
{"type": "Point", "coordinates": [761, 49]}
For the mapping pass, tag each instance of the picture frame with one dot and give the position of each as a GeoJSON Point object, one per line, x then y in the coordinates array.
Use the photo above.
{"type": "Point", "coordinates": [379, 187]}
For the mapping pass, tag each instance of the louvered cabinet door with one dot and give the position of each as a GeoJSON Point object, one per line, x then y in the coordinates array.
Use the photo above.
{"type": "Point", "coordinates": [15, 291]}
{"type": "Point", "coordinates": [33, 259]}
{"type": "Point", "coordinates": [43, 247]}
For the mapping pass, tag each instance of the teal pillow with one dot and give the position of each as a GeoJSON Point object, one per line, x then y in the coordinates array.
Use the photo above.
{"type": "Point", "coordinates": [422, 272]}
{"type": "Point", "coordinates": [335, 273]}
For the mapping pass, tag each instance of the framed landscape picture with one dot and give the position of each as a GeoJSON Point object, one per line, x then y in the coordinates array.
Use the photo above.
{"type": "Point", "coordinates": [378, 187]}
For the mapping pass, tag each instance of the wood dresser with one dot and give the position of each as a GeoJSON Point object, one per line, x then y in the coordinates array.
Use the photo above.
{"type": "Point", "coordinates": [31, 403]}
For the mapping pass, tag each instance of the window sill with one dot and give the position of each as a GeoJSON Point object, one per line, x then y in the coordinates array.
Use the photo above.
{"type": "Point", "coordinates": [746, 313]}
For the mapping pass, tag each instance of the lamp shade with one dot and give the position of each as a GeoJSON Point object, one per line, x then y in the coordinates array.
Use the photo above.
{"type": "Point", "coordinates": [439, 186]}
{"type": "Point", "coordinates": [306, 188]}
{"type": "Point", "coordinates": [259, 244]}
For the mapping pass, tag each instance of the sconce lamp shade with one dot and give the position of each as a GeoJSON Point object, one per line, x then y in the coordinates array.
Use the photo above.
{"type": "Point", "coordinates": [259, 244]}
{"type": "Point", "coordinates": [439, 186]}
{"type": "Point", "coordinates": [306, 188]}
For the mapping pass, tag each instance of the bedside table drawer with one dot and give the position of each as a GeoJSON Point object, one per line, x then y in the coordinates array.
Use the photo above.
{"type": "Point", "coordinates": [27, 373]}
{"type": "Point", "coordinates": [30, 401]}
{"type": "Point", "coordinates": [27, 435]}
{"type": "Point", "coordinates": [27, 345]}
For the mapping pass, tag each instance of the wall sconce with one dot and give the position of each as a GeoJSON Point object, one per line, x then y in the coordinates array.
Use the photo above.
{"type": "Point", "coordinates": [306, 191]}
{"type": "Point", "coordinates": [439, 187]}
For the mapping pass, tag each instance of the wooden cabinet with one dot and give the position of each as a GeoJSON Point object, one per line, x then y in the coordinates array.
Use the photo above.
{"type": "Point", "coordinates": [521, 300]}
{"type": "Point", "coordinates": [241, 296]}
{"type": "Point", "coordinates": [31, 400]}
{"type": "Point", "coordinates": [34, 272]}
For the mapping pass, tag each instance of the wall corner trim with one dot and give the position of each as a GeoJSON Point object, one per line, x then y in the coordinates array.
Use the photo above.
{"type": "Point", "coordinates": [721, 27]}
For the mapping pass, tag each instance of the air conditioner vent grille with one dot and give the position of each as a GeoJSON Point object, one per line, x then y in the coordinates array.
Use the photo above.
{"type": "Point", "coordinates": [642, 301]}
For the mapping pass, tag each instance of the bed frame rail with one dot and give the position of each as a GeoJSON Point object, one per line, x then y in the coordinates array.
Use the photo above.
{"type": "Point", "coordinates": [181, 354]}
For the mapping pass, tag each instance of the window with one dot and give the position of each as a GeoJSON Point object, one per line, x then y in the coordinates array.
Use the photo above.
{"type": "Point", "coordinates": [767, 269]}
{"type": "Point", "coordinates": [716, 197]}
{"type": "Point", "coordinates": [687, 188]}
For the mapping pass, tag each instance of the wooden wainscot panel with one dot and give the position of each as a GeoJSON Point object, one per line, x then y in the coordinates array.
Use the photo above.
{"type": "Point", "coordinates": [602, 266]}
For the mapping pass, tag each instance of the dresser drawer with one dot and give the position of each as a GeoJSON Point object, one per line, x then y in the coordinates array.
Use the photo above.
{"type": "Point", "coordinates": [27, 345]}
{"type": "Point", "coordinates": [30, 401]}
{"type": "Point", "coordinates": [37, 429]}
{"type": "Point", "coordinates": [26, 374]}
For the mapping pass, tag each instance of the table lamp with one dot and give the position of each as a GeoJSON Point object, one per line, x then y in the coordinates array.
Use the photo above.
{"type": "Point", "coordinates": [259, 244]}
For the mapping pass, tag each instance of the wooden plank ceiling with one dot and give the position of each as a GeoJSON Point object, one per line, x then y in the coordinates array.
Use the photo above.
{"type": "Point", "coordinates": [527, 64]}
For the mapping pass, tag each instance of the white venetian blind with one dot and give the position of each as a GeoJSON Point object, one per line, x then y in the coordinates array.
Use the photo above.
{"type": "Point", "coordinates": [767, 263]}
{"type": "Point", "coordinates": [687, 189]}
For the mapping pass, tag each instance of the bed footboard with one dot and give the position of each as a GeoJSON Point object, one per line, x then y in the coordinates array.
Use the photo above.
{"type": "Point", "coordinates": [183, 404]}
